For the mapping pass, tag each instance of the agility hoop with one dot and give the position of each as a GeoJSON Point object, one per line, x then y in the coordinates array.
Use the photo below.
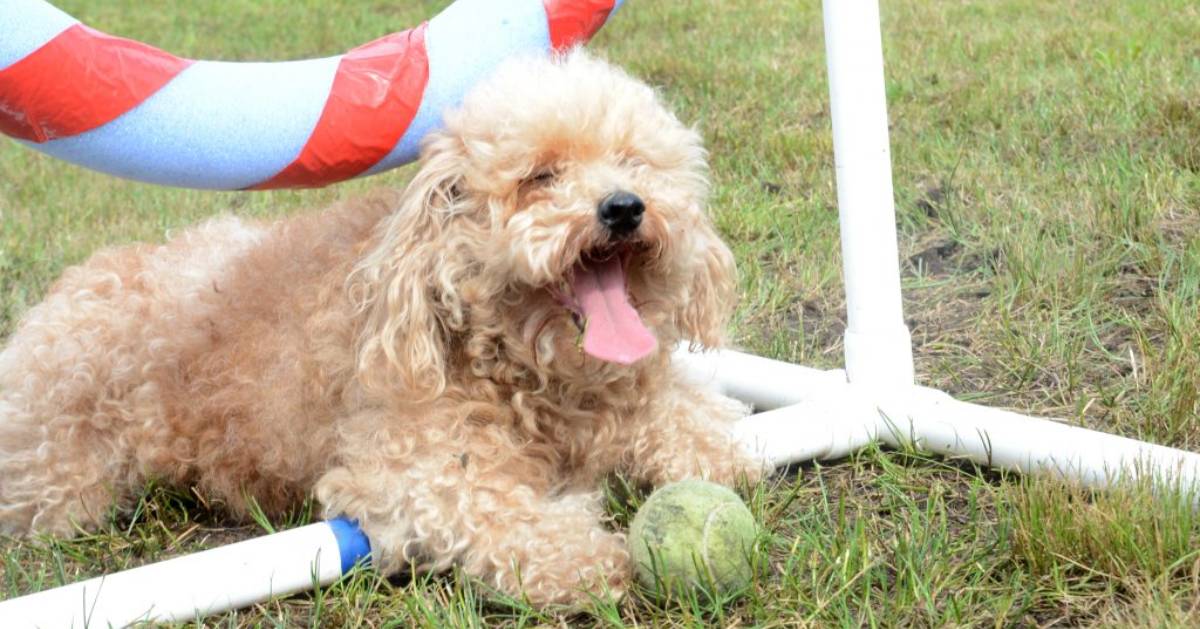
{"type": "Point", "coordinates": [129, 109]}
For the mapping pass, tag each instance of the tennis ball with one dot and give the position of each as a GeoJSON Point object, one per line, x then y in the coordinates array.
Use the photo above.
{"type": "Point", "coordinates": [693, 535]}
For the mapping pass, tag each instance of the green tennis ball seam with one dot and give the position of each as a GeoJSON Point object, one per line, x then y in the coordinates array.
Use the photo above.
{"type": "Point", "coordinates": [705, 531]}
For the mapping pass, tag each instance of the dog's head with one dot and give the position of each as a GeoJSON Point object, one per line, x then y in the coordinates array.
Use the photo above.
{"type": "Point", "coordinates": [557, 225]}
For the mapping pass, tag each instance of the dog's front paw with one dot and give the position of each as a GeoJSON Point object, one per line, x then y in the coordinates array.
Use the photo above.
{"type": "Point", "coordinates": [691, 437]}
{"type": "Point", "coordinates": [572, 573]}
{"type": "Point", "coordinates": [722, 463]}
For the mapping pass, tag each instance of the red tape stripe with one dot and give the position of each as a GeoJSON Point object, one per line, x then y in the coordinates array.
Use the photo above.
{"type": "Point", "coordinates": [376, 92]}
{"type": "Point", "coordinates": [78, 81]}
{"type": "Point", "coordinates": [575, 21]}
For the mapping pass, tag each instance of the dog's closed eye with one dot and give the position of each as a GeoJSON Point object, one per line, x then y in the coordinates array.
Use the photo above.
{"type": "Point", "coordinates": [630, 160]}
{"type": "Point", "coordinates": [540, 177]}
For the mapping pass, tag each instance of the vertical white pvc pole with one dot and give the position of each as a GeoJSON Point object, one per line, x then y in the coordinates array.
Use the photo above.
{"type": "Point", "coordinates": [878, 343]}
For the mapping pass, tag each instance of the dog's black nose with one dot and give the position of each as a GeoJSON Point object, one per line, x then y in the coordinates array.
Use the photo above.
{"type": "Point", "coordinates": [621, 212]}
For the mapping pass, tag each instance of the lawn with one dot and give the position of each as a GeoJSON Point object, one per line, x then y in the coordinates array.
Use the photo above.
{"type": "Point", "coordinates": [1047, 176]}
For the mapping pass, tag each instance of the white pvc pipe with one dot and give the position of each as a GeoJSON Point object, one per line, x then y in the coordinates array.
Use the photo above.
{"type": "Point", "coordinates": [935, 422]}
{"type": "Point", "coordinates": [828, 419]}
{"type": "Point", "coordinates": [192, 586]}
{"type": "Point", "coordinates": [878, 343]}
{"type": "Point", "coordinates": [799, 422]}
{"type": "Point", "coordinates": [817, 429]}
{"type": "Point", "coordinates": [762, 382]}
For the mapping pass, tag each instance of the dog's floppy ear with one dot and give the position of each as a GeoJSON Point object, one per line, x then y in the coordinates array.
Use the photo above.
{"type": "Point", "coordinates": [405, 287]}
{"type": "Point", "coordinates": [711, 290]}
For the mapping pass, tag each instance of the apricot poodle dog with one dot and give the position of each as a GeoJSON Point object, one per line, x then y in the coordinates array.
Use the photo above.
{"type": "Point", "coordinates": [457, 367]}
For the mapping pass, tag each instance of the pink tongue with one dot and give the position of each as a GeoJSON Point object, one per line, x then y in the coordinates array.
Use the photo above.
{"type": "Point", "coordinates": [614, 331]}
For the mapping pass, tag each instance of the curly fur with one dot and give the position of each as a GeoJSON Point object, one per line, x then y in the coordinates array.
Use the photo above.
{"type": "Point", "coordinates": [404, 356]}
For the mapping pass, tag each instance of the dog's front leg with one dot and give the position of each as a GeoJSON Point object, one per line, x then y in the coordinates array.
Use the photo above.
{"type": "Point", "coordinates": [455, 497]}
{"type": "Point", "coordinates": [686, 433]}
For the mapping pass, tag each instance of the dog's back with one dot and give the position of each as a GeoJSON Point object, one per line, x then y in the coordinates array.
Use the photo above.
{"type": "Point", "coordinates": [202, 359]}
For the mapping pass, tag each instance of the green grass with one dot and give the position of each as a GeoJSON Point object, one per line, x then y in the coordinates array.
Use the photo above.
{"type": "Point", "coordinates": [1047, 175]}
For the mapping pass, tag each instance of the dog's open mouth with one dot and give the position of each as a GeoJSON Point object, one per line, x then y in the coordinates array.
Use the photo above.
{"type": "Point", "coordinates": [597, 294]}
